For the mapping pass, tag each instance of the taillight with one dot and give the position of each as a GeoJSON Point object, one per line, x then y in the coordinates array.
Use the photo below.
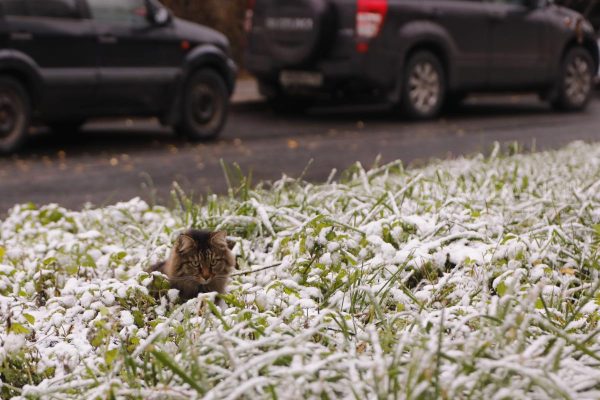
{"type": "Point", "coordinates": [249, 16]}
{"type": "Point", "coordinates": [370, 16]}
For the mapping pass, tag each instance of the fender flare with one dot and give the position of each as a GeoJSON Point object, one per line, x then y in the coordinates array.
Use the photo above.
{"type": "Point", "coordinates": [426, 35]}
{"type": "Point", "coordinates": [212, 57]}
{"type": "Point", "coordinates": [203, 56]}
{"type": "Point", "coordinates": [23, 68]}
{"type": "Point", "coordinates": [587, 42]}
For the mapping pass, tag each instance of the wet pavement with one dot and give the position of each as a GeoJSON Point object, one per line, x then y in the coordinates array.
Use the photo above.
{"type": "Point", "coordinates": [110, 161]}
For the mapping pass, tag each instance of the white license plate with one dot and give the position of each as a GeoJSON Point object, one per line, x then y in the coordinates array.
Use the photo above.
{"type": "Point", "coordinates": [301, 78]}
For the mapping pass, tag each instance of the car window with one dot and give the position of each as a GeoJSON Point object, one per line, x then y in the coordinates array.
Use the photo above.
{"type": "Point", "coordinates": [53, 8]}
{"type": "Point", "coordinates": [127, 12]}
{"type": "Point", "coordinates": [40, 8]}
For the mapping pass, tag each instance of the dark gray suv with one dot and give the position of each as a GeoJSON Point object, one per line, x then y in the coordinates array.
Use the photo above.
{"type": "Point", "coordinates": [420, 54]}
{"type": "Point", "coordinates": [64, 61]}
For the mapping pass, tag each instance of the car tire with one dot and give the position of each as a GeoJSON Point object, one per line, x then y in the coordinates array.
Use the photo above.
{"type": "Point", "coordinates": [575, 85]}
{"type": "Point", "coordinates": [205, 106]}
{"type": "Point", "coordinates": [15, 115]}
{"type": "Point", "coordinates": [424, 86]}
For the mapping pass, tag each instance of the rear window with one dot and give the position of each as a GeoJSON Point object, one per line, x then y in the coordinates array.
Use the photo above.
{"type": "Point", "coordinates": [68, 9]}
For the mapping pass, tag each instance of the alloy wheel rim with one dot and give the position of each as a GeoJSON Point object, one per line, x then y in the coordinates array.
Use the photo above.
{"type": "Point", "coordinates": [424, 87]}
{"type": "Point", "coordinates": [8, 115]}
{"type": "Point", "coordinates": [578, 81]}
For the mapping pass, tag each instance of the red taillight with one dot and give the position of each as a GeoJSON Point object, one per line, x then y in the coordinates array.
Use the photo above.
{"type": "Point", "coordinates": [370, 16]}
{"type": "Point", "coordinates": [249, 15]}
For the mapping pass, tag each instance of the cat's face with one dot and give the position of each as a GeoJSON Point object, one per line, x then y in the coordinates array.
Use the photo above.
{"type": "Point", "coordinates": [203, 256]}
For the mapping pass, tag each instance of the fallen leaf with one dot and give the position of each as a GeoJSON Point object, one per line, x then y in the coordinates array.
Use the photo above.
{"type": "Point", "coordinates": [293, 144]}
{"type": "Point", "coordinates": [567, 271]}
{"type": "Point", "coordinates": [361, 347]}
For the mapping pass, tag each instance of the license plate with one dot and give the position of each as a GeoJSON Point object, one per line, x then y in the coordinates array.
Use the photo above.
{"type": "Point", "coordinates": [301, 78]}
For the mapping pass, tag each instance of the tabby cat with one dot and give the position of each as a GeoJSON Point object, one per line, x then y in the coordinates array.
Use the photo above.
{"type": "Point", "coordinates": [200, 262]}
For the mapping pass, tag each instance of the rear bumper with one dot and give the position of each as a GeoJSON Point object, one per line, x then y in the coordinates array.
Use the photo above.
{"type": "Point", "coordinates": [376, 70]}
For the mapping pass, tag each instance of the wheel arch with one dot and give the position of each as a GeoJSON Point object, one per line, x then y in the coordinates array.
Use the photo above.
{"type": "Point", "coordinates": [24, 70]}
{"type": "Point", "coordinates": [205, 56]}
{"type": "Point", "coordinates": [587, 43]}
{"type": "Point", "coordinates": [426, 36]}
{"type": "Point", "coordinates": [436, 49]}
{"type": "Point", "coordinates": [558, 96]}
{"type": "Point", "coordinates": [210, 56]}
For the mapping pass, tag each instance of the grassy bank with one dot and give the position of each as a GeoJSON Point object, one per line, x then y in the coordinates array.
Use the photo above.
{"type": "Point", "coordinates": [467, 279]}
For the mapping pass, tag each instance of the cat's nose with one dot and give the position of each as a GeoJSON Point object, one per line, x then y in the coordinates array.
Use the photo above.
{"type": "Point", "coordinates": [205, 274]}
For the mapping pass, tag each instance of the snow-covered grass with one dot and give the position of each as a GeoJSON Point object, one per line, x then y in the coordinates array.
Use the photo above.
{"type": "Point", "coordinates": [467, 279]}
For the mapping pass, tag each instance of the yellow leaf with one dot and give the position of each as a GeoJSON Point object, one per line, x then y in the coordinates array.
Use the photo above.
{"type": "Point", "coordinates": [362, 346]}
{"type": "Point", "coordinates": [293, 144]}
{"type": "Point", "coordinates": [110, 356]}
{"type": "Point", "coordinates": [567, 271]}
{"type": "Point", "coordinates": [19, 329]}
{"type": "Point", "coordinates": [30, 318]}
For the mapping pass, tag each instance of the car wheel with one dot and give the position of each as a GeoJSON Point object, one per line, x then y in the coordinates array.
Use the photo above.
{"type": "Point", "coordinates": [424, 86]}
{"type": "Point", "coordinates": [15, 115]}
{"type": "Point", "coordinates": [576, 81]}
{"type": "Point", "coordinates": [205, 106]}
{"type": "Point", "coordinates": [65, 128]}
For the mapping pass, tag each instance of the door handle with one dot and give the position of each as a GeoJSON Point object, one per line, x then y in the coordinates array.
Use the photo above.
{"type": "Point", "coordinates": [107, 39]}
{"type": "Point", "coordinates": [21, 36]}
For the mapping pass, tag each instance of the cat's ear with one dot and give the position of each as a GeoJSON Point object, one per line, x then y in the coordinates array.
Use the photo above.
{"type": "Point", "coordinates": [219, 238]}
{"type": "Point", "coordinates": [230, 244]}
{"type": "Point", "coordinates": [184, 244]}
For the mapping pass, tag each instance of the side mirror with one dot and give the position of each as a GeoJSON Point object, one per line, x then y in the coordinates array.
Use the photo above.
{"type": "Point", "coordinates": [162, 16]}
{"type": "Point", "coordinates": [157, 14]}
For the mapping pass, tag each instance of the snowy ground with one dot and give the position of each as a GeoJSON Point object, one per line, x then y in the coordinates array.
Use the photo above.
{"type": "Point", "coordinates": [473, 278]}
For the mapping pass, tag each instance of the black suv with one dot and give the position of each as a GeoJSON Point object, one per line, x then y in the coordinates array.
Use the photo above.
{"type": "Point", "coordinates": [64, 61]}
{"type": "Point", "coordinates": [420, 54]}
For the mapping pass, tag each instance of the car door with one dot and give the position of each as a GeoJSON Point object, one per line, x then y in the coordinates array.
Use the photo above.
{"type": "Point", "coordinates": [518, 53]}
{"type": "Point", "coordinates": [139, 61]}
{"type": "Point", "coordinates": [468, 25]}
{"type": "Point", "coordinates": [54, 34]}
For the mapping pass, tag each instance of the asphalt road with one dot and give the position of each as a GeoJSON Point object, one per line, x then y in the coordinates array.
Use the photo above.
{"type": "Point", "coordinates": [110, 161]}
